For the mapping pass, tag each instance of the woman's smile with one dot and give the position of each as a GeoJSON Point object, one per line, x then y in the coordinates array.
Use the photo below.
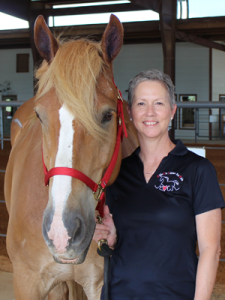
{"type": "Point", "coordinates": [151, 110]}
{"type": "Point", "coordinates": [150, 123]}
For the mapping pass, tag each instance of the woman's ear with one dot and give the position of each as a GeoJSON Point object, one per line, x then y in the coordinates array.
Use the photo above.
{"type": "Point", "coordinates": [129, 112]}
{"type": "Point", "coordinates": [174, 110]}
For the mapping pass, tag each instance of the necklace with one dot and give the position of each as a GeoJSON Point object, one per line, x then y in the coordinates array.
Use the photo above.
{"type": "Point", "coordinates": [150, 173]}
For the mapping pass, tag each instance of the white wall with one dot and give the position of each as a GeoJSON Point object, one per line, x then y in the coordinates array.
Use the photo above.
{"type": "Point", "coordinates": [192, 72]}
{"type": "Point", "coordinates": [21, 83]}
{"type": "Point", "coordinates": [218, 83]}
{"type": "Point", "coordinates": [192, 77]}
{"type": "Point", "coordinates": [218, 71]}
{"type": "Point", "coordinates": [133, 59]}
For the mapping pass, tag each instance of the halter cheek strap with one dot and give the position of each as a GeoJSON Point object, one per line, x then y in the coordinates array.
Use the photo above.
{"type": "Point", "coordinates": [97, 188]}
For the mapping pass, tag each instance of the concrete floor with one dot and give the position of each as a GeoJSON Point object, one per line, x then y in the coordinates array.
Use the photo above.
{"type": "Point", "coordinates": [6, 289]}
{"type": "Point", "coordinates": [6, 286]}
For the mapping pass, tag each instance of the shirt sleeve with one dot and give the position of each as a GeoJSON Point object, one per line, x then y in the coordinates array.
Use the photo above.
{"type": "Point", "coordinates": [206, 190]}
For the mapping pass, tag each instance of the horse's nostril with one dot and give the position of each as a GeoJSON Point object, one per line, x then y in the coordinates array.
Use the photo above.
{"type": "Point", "coordinates": [77, 231]}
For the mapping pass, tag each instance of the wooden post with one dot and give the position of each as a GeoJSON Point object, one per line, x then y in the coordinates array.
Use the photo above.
{"type": "Point", "coordinates": [168, 11]}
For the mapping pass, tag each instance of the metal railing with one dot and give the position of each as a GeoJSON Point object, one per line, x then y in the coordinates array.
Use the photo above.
{"type": "Point", "coordinates": [6, 104]}
{"type": "Point", "coordinates": [197, 106]}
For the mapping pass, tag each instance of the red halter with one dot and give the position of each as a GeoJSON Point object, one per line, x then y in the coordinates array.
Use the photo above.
{"type": "Point", "coordinates": [97, 188]}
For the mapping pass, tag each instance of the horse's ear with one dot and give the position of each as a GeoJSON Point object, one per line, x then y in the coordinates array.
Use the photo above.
{"type": "Point", "coordinates": [112, 39]}
{"type": "Point", "coordinates": [45, 42]}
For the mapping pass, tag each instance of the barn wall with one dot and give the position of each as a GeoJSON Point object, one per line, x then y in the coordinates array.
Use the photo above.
{"type": "Point", "coordinates": [192, 77]}
{"type": "Point", "coordinates": [133, 59]}
{"type": "Point", "coordinates": [218, 82]}
{"type": "Point", "coordinates": [21, 83]}
{"type": "Point", "coordinates": [192, 74]}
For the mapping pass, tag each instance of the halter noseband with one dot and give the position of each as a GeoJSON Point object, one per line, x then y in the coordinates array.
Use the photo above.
{"type": "Point", "coordinates": [97, 188]}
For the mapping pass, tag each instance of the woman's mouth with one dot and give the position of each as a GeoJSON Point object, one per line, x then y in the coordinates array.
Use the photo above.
{"type": "Point", "coordinates": [150, 123]}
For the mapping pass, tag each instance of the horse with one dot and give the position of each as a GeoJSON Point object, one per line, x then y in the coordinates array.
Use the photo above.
{"type": "Point", "coordinates": [71, 123]}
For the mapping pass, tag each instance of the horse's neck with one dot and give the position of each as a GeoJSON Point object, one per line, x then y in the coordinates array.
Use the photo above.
{"type": "Point", "coordinates": [131, 143]}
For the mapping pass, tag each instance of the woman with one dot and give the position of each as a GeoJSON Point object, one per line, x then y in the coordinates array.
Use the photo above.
{"type": "Point", "coordinates": [164, 200]}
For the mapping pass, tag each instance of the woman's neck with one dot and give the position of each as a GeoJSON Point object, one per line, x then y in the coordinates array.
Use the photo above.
{"type": "Point", "coordinates": [154, 150]}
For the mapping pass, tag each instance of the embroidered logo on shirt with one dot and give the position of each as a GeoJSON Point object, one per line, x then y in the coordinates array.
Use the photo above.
{"type": "Point", "coordinates": [169, 181]}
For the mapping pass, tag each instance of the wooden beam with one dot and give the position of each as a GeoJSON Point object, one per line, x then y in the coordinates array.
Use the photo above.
{"type": "Point", "coordinates": [201, 23]}
{"type": "Point", "coordinates": [64, 2]}
{"type": "Point", "coordinates": [93, 9]}
{"type": "Point", "coordinates": [198, 40]}
{"type": "Point", "coordinates": [153, 4]}
{"type": "Point", "coordinates": [211, 28]}
{"type": "Point", "coordinates": [19, 9]}
{"type": "Point", "coordinates": [134, 32]}
{"type": "Point", "coordinates": [167, 25]}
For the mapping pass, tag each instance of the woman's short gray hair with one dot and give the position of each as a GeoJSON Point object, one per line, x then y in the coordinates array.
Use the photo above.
{"type": "Point", "coordinates": [151, 75]}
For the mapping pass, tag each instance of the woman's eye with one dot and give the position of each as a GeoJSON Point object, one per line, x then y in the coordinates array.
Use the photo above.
{"type": "Point", "coordinates": [107, 117]}
{"type": "Point", "coordinates": [140, 103]}
{"type": "Point", "coordinates": [159, 103]}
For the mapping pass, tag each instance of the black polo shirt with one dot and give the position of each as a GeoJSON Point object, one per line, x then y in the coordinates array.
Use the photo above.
{"type": "Point", "coordinates": [155, 256]}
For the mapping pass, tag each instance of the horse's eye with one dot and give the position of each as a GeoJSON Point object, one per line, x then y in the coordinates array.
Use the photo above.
{"type": "Point", "coordinates": [38, 115]}
{"type": "Point", "coordinates": [106, 117]}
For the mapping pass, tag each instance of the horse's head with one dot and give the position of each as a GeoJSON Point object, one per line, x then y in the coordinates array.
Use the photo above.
{"type": "Point", "coordinates": [77, 109]}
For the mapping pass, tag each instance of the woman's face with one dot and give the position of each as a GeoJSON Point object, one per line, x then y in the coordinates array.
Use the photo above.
{"type": "Point", "coordinates": [151, 111]}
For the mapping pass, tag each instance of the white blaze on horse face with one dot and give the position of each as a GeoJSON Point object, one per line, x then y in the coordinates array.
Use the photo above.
{"type": "Point", "coordinates": [62, 184]}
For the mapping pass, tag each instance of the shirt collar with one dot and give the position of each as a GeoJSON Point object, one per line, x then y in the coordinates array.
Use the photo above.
{"type": "Point", "coordinates": [180, 149]}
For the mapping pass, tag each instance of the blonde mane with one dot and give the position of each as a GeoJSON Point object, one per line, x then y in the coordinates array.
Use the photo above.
{"type": "Point", "coordinates": [73, 74]}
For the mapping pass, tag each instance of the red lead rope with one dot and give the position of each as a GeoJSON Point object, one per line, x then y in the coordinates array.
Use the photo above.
{"type": "Point", "coordinates": [98, 189]}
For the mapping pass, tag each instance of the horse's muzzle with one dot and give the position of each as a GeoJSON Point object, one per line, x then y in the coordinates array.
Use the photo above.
{"type": "Point", "coordinates": [69, 238]}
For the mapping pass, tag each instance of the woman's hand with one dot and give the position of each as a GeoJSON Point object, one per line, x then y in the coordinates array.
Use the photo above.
{"type": "Point", "coordinates": [107, 230]}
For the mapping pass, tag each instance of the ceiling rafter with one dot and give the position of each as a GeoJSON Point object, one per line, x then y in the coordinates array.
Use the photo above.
{"type": "Point", "coordinates": [19, 9]}
{"type": "Point", "coordinates": [134, 32]}
{"type": "Point", "coordinates": [93, 9]}
{"type": "Point", "coordinates": [199, 41]}
{"type": "Point", "coordinates": [153, 4]}
{"type": "Point", "coordinates": [198, 30]}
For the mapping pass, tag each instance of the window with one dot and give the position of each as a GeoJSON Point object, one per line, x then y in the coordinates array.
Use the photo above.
{"type": "Point", "coordinates": [22, 63]}
{"type": "Point", "coordinates": [187, 115]}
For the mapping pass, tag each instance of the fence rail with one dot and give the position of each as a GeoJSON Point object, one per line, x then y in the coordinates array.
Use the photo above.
{"type": "Point", "coordinates": [196, 106]}
{"type": "Point", "coordinates": [201, 117]}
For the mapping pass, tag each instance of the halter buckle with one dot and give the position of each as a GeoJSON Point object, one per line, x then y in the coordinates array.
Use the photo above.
{"type": "Point", "coordinates": [98, 192]}
{"type": "Point", "coordinates": [119, 96]}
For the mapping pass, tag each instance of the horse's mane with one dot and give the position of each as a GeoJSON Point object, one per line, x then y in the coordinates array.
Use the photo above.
{"type": "Point", "coordinates": [73, 74]}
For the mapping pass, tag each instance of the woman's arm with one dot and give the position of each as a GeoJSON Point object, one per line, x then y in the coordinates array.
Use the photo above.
{"type": "Point", "coordinates": [107, 230]}
{"type": "Point", "coordinates": [209, 232]}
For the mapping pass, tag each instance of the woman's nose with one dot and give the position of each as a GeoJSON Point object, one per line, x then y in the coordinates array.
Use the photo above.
{"type": "Point", "coordinates": [150, 110]}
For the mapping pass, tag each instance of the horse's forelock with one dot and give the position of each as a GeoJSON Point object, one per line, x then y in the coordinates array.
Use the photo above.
{"type": "Point", "coordinates": [73, 74]}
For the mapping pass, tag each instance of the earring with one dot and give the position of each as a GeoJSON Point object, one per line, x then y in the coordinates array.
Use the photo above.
{"type": "Point", "coordinates": [171, 118]}
{"type": "Point", "coordinates": [130, 119]}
